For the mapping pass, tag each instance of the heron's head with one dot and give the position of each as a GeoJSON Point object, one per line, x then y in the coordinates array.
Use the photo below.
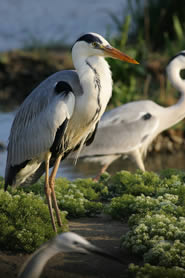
{"type": "Point", "coordinates": [92, 44]}
{"type": "Point", "coordinates": [71, 242]}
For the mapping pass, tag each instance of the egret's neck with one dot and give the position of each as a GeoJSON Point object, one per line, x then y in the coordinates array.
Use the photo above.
{"type": "Point", "coordinates": [96, 81]}
{"type": "Point", "coordinates": [176, 112]}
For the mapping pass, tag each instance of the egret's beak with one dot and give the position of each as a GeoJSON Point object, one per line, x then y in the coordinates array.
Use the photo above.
{"type": "Point", "coordinates": [98, 251]}
{"type": "Point", "coordinates": [115, 53]}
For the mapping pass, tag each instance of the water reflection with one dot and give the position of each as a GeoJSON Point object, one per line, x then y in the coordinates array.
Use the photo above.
{"type": "Point", "coordinates": [154, 162]}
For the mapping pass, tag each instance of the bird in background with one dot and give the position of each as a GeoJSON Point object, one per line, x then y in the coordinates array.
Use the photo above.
{"type": "Point", "coordinates": [128, 130]}
{"type": "Point", "coordinates": [61, 115]}
{"type": "Point", "coordinates": [65, 242]}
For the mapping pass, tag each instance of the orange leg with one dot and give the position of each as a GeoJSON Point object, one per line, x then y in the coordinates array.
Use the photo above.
{"type": "Point", "coordinates": [48, 191]}
{"type": "Point", "coordinates": [103, 169]}
{"type": "Point", "coordinates": [52, 188]}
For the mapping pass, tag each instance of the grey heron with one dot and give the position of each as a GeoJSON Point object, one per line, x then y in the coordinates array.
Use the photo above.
{"type": "Point", "coordinates": [65, 242]}
{"type": "Point", "coordinates": [61, 115]}
{"type": "Point", "coordinates": [128, 130]}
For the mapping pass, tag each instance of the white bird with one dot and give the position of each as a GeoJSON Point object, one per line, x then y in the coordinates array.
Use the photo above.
{"type": "Point", "coordinates": [61, 115]}
{"type": "Point", "coordinates": [65, 242]}
{"type": "Point", "coordinates": [128, 130]}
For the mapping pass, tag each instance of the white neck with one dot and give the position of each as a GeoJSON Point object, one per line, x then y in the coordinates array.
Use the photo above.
{"type": "Point", "coordinates": [176, 112]}
{"type": "Point", "coordinates": [96, 81]}
{"type": "Point", "coordinates": [37, 261]}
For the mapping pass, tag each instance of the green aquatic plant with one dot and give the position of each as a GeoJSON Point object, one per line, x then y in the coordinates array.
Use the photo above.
{"type": "Point", "coordinates": [129, 183]}
{"type": "Point", "coordinates": [25, 221]}
{"type": "Point", "coordinates": [151, 271]}
{"type": "Point", "coordinates": [152, 229]}
{"type": "Point", "coordinates": [126, 205]}
{"type": "Point", "coordinates": [77, 198]}
{"type": "Point", "coordinates": [24, 215]}
{"type": "Point", "coordinates": [154, 207]}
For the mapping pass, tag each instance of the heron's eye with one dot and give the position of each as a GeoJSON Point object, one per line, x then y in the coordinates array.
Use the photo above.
{"type": "Point", "coordinates": [75, 242]}
{"type": "Point", "coordinates": [147, 116]}
{"type": "Point", "coordinates": [95, 44]}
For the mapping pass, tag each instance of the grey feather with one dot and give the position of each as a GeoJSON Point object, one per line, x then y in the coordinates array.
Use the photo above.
{"type": "Point", "coordinates": [38, 116]}
{"type": "Point", "coordinates": [123, 129]}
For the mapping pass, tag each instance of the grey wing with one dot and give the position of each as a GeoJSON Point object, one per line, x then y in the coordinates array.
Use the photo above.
{"type": "Point", "coordinates": [129, 112]}
{"type": "Point", "coordinates": [35, 125]}
{"type": "Point", "coordinates": [122, 136]}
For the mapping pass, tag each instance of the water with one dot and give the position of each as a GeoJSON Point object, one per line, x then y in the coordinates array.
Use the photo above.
{"type": "Point", "coordinates": [154, 162]}
{"type": "Point", "coordinates": [23, 21]}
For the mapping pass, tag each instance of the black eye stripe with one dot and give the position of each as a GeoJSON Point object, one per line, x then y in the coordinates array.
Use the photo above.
{"type": "Point", "coordinates": [179, 54]}
{"type": "Point", "coordinates": [89, 38]}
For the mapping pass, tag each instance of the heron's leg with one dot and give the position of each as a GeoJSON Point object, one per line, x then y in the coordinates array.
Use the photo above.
{"type": "Point", "coordinates": [136, 156]}
{"type": "Point", "coordinates": [52, 187]}
{"type": "Point", "coordinates": [102, 170]}
{"type": "Point", "coordinates": [48, 191]}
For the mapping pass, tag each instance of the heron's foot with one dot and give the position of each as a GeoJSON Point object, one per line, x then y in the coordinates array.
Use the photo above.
{"type": "Point", "coordinates": [55, 204]}
{"type": "Point", "coordinates": [49, 201]}
{"type": "Point", "coordinates": [57, 211]}
{"type": "Point", "coordinates": [103, 169]}
{"type": "Point", "coordinates": [98, 176]}
{"type": "Point", "coordinates": [96, 179]}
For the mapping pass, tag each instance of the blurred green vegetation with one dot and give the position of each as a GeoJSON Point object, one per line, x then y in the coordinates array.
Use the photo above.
{"type": "Point", "coordinates": [152, 33]}
{"type": "Point", "coordinates": [24, 215]}
{"type": "Point", "coordinates": [25, 221]}
{"type": "Point", "coordinates": [152, 271]}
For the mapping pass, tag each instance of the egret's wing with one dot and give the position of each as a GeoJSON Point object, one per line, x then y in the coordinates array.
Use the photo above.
{"type": "Point", "coordinates": [41, 114]}
{"type": "Point", "coordinates": [121, 138]}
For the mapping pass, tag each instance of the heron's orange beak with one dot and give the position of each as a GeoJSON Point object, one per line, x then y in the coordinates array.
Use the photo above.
{"type": "Point", "coordinates": [115, 53]}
